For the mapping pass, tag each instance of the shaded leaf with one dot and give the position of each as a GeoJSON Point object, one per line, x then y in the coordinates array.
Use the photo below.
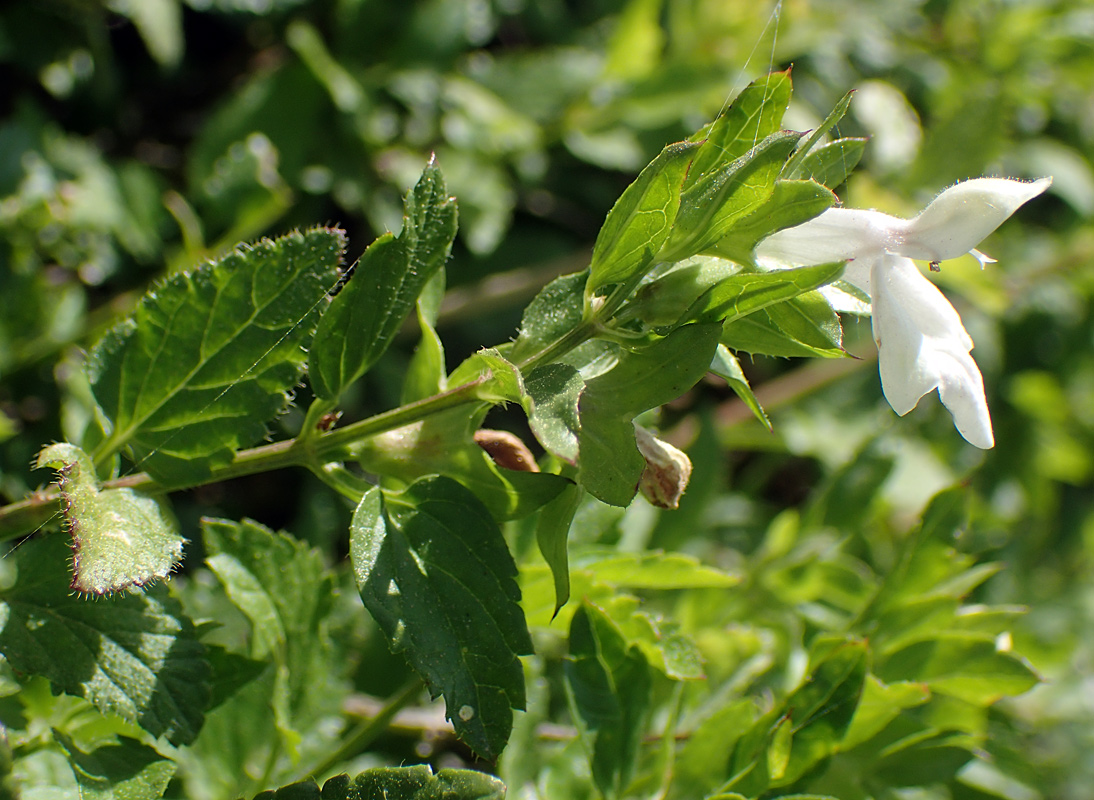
{"type": "Point", "coordinates": [127, 770]}
{"type": "Point", "coordinates": [134, 655]}
{"type": "Point", "coordinates": [553, 312]}
{"type": "Point", "coordinates": [397, 783]}
{"type": "Point", "coordinates": [433, 570]}
{"type": "Point", "coordinates": [209, 356]}
{"type": "Point", "coordinates": [804, 325]}
{"type": "Point", "coordinates": [552, 532]}
{"type": "Point", "coordinates": [608, 687]}
{"type": "Point", "coordinates": [120, 538]}
{"type": "Point", "coordinates": [726, 366]}
{"type": "Point", "coordinates": [555, 390]}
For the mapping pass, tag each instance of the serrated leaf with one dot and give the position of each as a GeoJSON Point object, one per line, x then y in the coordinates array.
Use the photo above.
{"type": "Point", "coordinates": [608, 687]}
{"type": "Point", "coordinates": [830, 164]}
{"type": "Point", "coordinates": [610, 462]}
{"type": "Point", "coordinates": [120, 538]}
{"type": "Point", "coordinates": [134, 655]}
{"type": "Point", "coordinates": [713, 205]}
{"type": "Point", "coordinates": [641, 220]}
{"type": "Point", "coordinates": [281, 586]}
{"type": "Point", "coordinates": [726, 366]}
{"type": "Point", "coordinates": [552, 532]}
{"type": "Point", "coordinates": [434, 571]}
{"type": "Point", "coordinates": [804, 325]}
{"type": "Point", "coordinates": [414, 783]}
{"type": "Point", "coordinates": [209, 356]}
{"type": "Point", "coordinates": [364, 317]}
{"type": "Point", "coordinates": [127, 770]}
{"type": "Point", "coordinates": [555, 390]}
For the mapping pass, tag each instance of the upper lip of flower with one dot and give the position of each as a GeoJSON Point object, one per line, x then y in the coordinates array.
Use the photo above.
{"type": "Point", "coordinates": [922, 343]}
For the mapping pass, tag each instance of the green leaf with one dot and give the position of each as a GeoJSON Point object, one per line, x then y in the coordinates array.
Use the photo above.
{"type": "Point", "coordinates": [804, 325]}
{"type": "Point", "coordinates": [397, 783]}
{"type": "Point", "coordinates": [552, 532]}
{"type": "Point", "coordinates": [120, 538]}
{"type": "Point", "coordinates": [755, 114]}
{"type": "Point", "coordinates": [556, 310]}
{"type": "Point", "coordinates": [830, 164]}
{"type": "Point", "coordinates": [881, 703]}
{"type": "Point", "coordinates": [555, 390]}
{"type": "Point", "coordinates": [364, 317]}
{"type": "Point", "coordinates": [726, 366]}
{"type": "Point", "coordinates": [434, 571]}
{"type": "Point", "coordinates": [641, 220]}
{"type": "Point", "coordinates": [653, 570]}
{"type": "Point", "coordinates": [745, 293]}
{"type": "Point", "coordinates": [425, 375]}
{"type": "Point", "coordinates": [501, 381]}
{"type": "Point", "coordinates": [967, 666]}
{"type": "Point", "coordinates": [133, 655]}
{"type": "Point", "coordinates": [791, 203]}
{"type": "Point", "coordinates": [209, 357]}
{"type": "Point", "coordinates": [282, 587]}
{"type": "Point", "coordinates": [127, 770]}
{"type": "Point", "coordinates": [713, 205]}
{"type": "Point", "coordinates": [608, 687]}
{"type": "Point", "coordinates": [809, 725]}
{"type": "Point", "coordinates": [610, 462]}
{"type": "Point", "coordinates": [835, 115]}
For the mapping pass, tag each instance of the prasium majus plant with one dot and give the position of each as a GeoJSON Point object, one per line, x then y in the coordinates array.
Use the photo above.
{"type": "Point", "coordinates": [186, 387]}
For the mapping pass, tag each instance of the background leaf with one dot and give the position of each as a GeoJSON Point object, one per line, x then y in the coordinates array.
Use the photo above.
{"type": "Point", "coordinates": [209, 357]}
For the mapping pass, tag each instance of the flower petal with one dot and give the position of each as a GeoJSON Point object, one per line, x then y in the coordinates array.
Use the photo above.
{"type": "Point", "coordinates": [835, 235]}
{"type": "Point", "coordinates": [962, 216]}
{"type": "Point", "coordinates": [923, 346]}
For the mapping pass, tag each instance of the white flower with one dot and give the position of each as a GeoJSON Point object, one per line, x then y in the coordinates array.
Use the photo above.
{"type": "Point", "coordinates": [921, 342]}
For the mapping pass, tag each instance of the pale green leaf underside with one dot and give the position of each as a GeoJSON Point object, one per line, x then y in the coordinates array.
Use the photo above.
{"type": "Point", "coordinates": [209, 356]}
{"type": "Point", "coordinates": [120, 538]}
{"type": "Point", "coordinates": [134, 655]}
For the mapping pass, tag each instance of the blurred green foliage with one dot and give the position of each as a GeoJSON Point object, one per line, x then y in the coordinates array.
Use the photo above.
{"type": "Point", "coordinates": [140, 138]}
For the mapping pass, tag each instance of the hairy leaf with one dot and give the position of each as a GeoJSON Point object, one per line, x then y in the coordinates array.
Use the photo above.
{"type": "Point", "coordinates": [364, 317]}
{"type": "Point", "coordinates": [830, 164]}
{"type": "Point", "coordinates": [134, 655]}
{"type": "Point", "coordinates": [209, 356]}
{"type": "Point", "coordinates": [120, 538]}
{"type": "Point", "coordinates": [555, 390]}
{"type": "Point", "coordinates": [434, 571]}
{"type": "Point", "coordinates": [554, 311]}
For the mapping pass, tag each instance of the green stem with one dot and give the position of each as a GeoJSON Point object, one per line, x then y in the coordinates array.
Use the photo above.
{"type": "Point", "coordinates": [368, 730]}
